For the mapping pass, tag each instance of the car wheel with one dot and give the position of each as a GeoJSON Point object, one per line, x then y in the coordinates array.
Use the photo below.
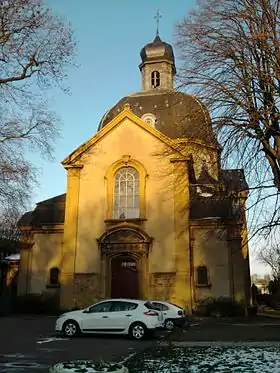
{"type": "Point", "coordinates": [71, 328]}
{"type": "Point", "coordinates": [137, 331]}
{"type": "Point", "coordinates": [169, 324]}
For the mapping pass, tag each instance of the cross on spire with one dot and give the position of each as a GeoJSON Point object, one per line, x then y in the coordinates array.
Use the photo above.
{"type": "Point", "coordinates": [157, 17]}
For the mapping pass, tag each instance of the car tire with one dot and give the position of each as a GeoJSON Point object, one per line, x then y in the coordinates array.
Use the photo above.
{"type": "Point", "coordinates": [71, 329]}
{"type": "Point", "coordinates": [169, 324]}
{"type": "Point", "coordinates": [138, 331]}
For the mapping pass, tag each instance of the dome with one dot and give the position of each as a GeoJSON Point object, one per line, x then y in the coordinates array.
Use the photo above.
{"type": "Point", "coordinates": [158, 50]}
{"type": "Point", "coordinates": [177, 115]}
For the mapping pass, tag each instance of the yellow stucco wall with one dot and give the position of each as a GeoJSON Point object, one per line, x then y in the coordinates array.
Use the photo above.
{"type": "Point", "coordinates": [126, 139]}
{"type": "Point", "coordinates": [46, 253]}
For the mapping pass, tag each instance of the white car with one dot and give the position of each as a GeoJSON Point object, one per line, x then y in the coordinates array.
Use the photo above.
{"type": "Point", "coordinates": [135, 318]}
{"type": "Point", "coordinates": [173, 315]}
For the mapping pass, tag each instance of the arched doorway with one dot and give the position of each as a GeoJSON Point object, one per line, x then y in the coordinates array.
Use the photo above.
{"type": "Point", "coordinates": [124, 254]}
{"type": "Point", "coordinates": [124, 277]}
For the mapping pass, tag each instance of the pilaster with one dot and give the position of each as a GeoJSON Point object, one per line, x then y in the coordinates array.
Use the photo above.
{"type": "Point", "coordinates": [70, 237]}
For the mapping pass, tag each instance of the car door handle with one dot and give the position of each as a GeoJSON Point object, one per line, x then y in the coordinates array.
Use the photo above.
{"type": "Point", "coordinates": [128, 315]}
{"type": "Point", "coordinates": [104, 317]}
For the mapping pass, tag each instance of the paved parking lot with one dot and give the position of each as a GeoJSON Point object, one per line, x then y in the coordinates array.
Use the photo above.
{"type": "Point", "coordinates": [29, 344]}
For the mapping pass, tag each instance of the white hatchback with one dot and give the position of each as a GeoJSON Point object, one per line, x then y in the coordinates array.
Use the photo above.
{"type": "Point", "coordinates": [173, 315]}
{"type": "Point", "coordinates": [136, 318]}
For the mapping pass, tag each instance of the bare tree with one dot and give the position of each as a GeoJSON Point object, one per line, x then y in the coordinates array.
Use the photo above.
{"type": "Point", "coordinates": [270, 256]}
{"type": "Point", "coordinates": [36, 47]}
{"type": "Point", "coordinates": [9, 233]}
{"type": "Point", "coordinates": [230, 51]}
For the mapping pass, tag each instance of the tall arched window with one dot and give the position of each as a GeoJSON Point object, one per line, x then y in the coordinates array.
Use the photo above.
{"type": "Point", "coordinates": [126, 194]}
{"type": "Point", "coordinates": [155, 79]}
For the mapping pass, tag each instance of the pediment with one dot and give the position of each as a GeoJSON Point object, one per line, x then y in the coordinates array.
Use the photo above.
{"type": "Point", "coordinates": [73, 159]}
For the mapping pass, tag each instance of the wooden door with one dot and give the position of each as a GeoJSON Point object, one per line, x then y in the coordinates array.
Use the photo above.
{"type": "Point", "coordinates": [124, 279]}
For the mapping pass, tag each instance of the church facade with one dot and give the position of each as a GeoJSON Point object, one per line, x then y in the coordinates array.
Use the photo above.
{"type": "Point", "coordinates": [148, 213]}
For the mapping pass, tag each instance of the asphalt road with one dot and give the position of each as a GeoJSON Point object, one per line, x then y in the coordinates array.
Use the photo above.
{"type": "Point", "coordinates": [29, 344]}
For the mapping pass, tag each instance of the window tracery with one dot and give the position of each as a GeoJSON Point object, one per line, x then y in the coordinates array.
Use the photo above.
{"type": "Point", "coordinates": [126, 199]}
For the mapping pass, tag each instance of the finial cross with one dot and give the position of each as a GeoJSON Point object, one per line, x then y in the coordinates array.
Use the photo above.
{"type": "Point", "coordinates": [157, 17]}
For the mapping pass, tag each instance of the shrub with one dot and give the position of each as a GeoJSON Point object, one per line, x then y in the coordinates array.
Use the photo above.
{"type": "Point", "coordinates": [252, 311]}
{"type": "Point", "coordinates": [37, 303]}
{"type": "Point", "coordinates": [222, 306]}
{"type": "Point", "coordinates": [269, 300]}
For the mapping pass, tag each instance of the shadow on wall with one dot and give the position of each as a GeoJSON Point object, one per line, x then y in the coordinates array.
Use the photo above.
{"type": "Point", "coordinates": [46, 300]}
{"type": "Point", "coordinates": [10, 303]}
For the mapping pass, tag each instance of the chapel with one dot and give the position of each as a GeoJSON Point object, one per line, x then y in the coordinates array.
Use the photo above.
{"type": "Point", "coordinates": [149, 213]}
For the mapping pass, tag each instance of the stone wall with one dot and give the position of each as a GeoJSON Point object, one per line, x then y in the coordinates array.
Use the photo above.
{"type": "Point", "coordinates": [161, 285]}
{"type": "Point", "coordinates": [86, 289]}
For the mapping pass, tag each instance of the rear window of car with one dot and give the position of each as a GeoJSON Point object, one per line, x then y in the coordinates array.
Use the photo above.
{"type": "Point", "coordinates": [176, 305]}
{"type": "Point", "coordinates": [161, 306]}
{"type": "Point", "coordinates": [151, 306]}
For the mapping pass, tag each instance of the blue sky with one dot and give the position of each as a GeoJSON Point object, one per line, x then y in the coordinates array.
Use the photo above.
{"type": "Point", "coordinates": [110, 35]}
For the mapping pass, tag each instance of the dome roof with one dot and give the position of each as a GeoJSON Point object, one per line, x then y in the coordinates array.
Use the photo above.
{"type": "Point", "coordinates": [158, 50]}
{"type": "Point", "coordinates": [178, 115]}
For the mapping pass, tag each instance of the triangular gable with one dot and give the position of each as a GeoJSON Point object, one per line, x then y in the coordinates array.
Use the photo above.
{"type": "Point", "coordinates": [125, 114]}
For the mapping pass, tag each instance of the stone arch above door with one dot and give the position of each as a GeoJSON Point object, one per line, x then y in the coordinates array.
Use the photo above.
{"type": "Point", "coordinates": [132, 240]}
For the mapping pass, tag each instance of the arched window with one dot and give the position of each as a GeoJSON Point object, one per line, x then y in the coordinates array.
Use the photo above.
{"type": "Point", "coordinates": [54, 276]}
{"type": "Point", "coordinates": [126, 194]}
{"type": "Point", "coordinates": [155, 79]}
{"type": "Point", "coordinates": [202, 275]}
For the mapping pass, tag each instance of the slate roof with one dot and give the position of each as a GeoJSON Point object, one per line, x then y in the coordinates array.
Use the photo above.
{"type": "Point", "coordinates": [205, 177]}
{"type": "Point", "coordinates": [221, 204]}
{"type": "Point", "coordinates": [50, 211]}
{"type": "Point", "coordinates": [178, 115]}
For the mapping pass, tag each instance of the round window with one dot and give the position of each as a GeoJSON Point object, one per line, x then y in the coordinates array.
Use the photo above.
{"type": "Point", "coordinates": [149, 119]}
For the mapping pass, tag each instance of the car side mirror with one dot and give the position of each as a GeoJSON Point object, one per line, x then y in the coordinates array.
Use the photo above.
{"type": "Point", "coordinates": [86, 310]}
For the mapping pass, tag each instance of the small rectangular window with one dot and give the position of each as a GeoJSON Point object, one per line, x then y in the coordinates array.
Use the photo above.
{"type": "Point", "coordinates": [202, 275]}
{"type": "Point", "coordinates": [54, 276]}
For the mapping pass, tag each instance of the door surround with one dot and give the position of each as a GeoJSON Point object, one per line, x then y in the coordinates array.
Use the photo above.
{"type": "Point", "coordinates": [128, 240]}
